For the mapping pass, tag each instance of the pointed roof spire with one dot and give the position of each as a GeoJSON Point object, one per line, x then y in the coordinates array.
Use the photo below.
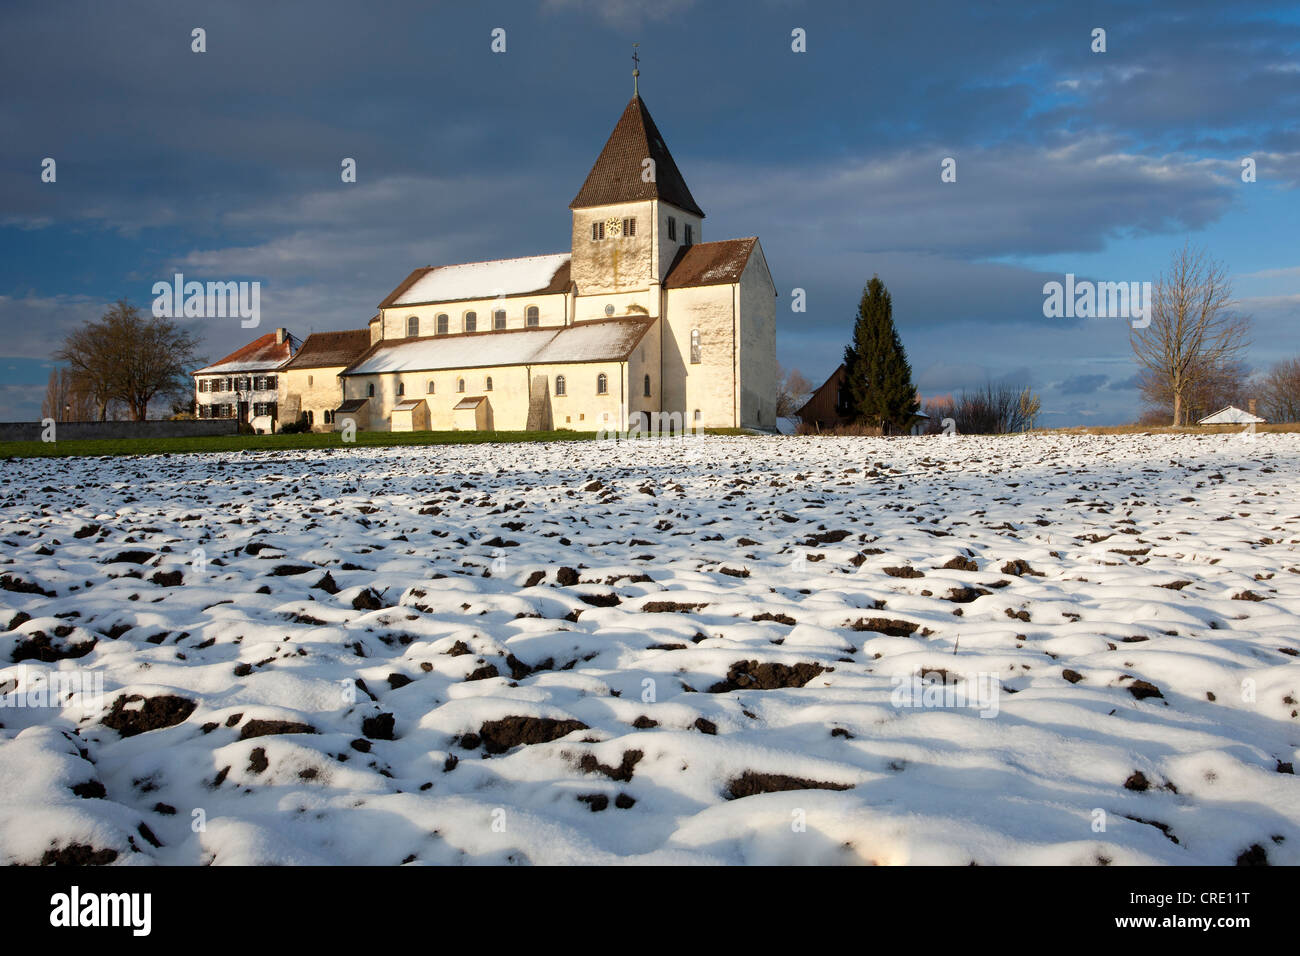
{"type": "Point", "coordinates": [621, 170]}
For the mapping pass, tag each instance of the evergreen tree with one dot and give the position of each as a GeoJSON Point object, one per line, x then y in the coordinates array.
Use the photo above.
{"type": "Point", "coordinates": [878, 379]}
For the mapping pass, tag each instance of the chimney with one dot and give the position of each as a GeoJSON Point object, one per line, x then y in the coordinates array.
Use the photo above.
{"type": "Point", "coordinates": [1250, 406]}
{"type": "Point", "coordinates": [280, 336]}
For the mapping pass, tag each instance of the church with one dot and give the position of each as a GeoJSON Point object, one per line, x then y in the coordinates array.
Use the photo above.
{"type": "Point", "coordinates": [641, 322]}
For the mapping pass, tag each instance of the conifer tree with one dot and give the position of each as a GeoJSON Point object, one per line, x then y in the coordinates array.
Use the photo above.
{"type": "Point", "coordinates": [878, 379]}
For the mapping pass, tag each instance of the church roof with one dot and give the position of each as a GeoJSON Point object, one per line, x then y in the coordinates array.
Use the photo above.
{"type": "Point", "coordinates": [617, 175]}
{"type": "Point", "coordinates": [327, 349]}
{"type": "Point", "coordinates": [709, 263]}
{"type": "Point", "coordinates": [263, 354]}
{"type": "Point", "coordinates": [605, 340]}
{"type": "Point", "coordinates": [530, 275]}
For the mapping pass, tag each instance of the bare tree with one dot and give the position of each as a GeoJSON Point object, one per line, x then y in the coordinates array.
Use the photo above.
{"type": "Point", "coordinates": [130, 357]}
{"type": "Point", "coordinates": [1280, 392]}
{"type": "Point", "coordinates": [1217, 385]}
{"type": "Point", "coordinates": [66, 398]}
{"type": "Point", "coordinates": [792, 391]}
{"type": "Point", "coordinates": [937, 409]}
{"type": "Point", "coordinates": [996, 409]}
{"type": "Point", "coordinates": [1192, 329]}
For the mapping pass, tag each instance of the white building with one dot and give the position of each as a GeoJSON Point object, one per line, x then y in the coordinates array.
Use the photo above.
{"type": "Point", "coordinates": [640, 316]}
{"type": "Point", "coordinates": [244, 385]}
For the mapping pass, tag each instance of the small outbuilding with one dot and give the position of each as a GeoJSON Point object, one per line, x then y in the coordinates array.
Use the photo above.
{"type": "Point", "coordinates": [410, 415]}
{"type": "Point", "coordinates": [471, 414]}
{"type": "Point", "coordinates": [355, 410]}
{"type": "Point", "coordinates": [1232, 415]}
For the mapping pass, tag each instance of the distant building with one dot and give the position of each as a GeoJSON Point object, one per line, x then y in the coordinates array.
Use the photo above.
{"type": "Point", "coordinates": [244, 385]}
{"type": "Point", "coordinates": [827, 407]}
{"type": "Point", "coordinates": [1232, 415]}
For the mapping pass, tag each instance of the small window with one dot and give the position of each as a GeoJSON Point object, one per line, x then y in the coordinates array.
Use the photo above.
{"type": "Point", "coordinates": [309, 380]}
{"type": "Point", "coordinates": [647, 386]}
{"type": "Point", "coordinates": [311, 418]}
{"type": "Point", "coordinates": [487, 384]}
{"type": "Point", "coordinates": [602, 384]}
{"type": "Point", "coordinates": [442, 324]}
{"type": "Point", "coordinates": [672, 228]}
{"type": "Point", "coordinates": [471, 322]}
{"type": "Point", "coordinates": [559, 385]}
{"type": "Point", "coordinates": [329, 417]}
{"type": "Point", "coordinates": [460, 385]}
{"type": "Point", "coordinates": [690, 235]}
{"type": "Point", "coordinates": [534, 317]}
{"type": "Point", "coordinates": [401, 388]}
{"type": "Point", "coordinates": [629, 226]}
{"type": "Point", "coordinates": [412, 326]}
{"type": "Point", "coordinates": [695, 346]}
{"type": "Point", "coordinates": [499, 319]}
{"type": "Point", "coordinates": [429, 387]}
{"type": "Point", "coordinates": [370, 391]}
{"type": "Point", "coordinates": [270, 381]}
{"type": "Point", "coordinates": [697, 414]}
{"type": "Point", "coordinates": [598, 230]}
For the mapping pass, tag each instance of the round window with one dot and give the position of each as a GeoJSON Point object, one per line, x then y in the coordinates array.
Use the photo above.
{"type": "Point", "coordinates": [609, 310]}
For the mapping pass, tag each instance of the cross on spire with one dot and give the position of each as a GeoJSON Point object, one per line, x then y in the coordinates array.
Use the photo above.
{"type": "Point", "coordinates": [636, 69]}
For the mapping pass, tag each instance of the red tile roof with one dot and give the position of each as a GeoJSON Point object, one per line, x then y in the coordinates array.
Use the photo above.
{"type": "Point", "coordinates": [261, 354]}
{"type": "Point", "coordinates": [709, 263]}
{"type": "Point", "coordinates": [617, 175]}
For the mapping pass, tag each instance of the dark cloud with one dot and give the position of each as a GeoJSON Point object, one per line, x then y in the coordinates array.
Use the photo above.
{"type": "Point", "coordinates": [1082, 384]}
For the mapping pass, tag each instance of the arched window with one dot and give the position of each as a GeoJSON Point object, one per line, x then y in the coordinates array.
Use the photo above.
{"type": "Point", "coordinates": [559, 385]}
{"type": "Point", "coordinates": [412, 326]}
{"type": "Point", "coordinates": [429, 387]}
{"type": "Point", "coordinates": [401, 388]}
{"type": "Point", "coordinates": [311, 418]}
{"type": "Point", "coordinates": [442, 324]}
{"type": "Point", "coordinates": [471, 322]}
{"type": "Point", "coordinates": [533, 317]}
{"type": "Point", "coordinates": [487, 384]}
{"type": "Point", "coordinates": [460, 385]}
{"type": "Point", "coordinates": [370, 391]}
{"type": "Point", "coordinates": [695, 346]}
{"type": "Point", "coordinates": [647, 386]}
{"type": "Point", "coordinates": [499, 319]}
{"type": "Point", "coordinates": [602, 384]}
{"type": "Point", "coordinates": [309, 378]}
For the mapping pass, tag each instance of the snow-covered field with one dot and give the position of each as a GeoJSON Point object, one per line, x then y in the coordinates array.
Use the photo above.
{"type": "Point", "coordinates": [660, 652]}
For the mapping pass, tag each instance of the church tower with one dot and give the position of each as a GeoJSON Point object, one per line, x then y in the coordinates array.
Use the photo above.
{"type": "Point", "coordinates": [634, 213]}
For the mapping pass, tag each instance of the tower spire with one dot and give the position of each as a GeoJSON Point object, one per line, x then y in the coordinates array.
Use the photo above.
{"type": "Point", "coordinates": [636, 70]}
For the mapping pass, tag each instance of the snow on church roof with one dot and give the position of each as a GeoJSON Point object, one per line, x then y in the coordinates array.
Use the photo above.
{"type": "Point", "coordinates": [483, 280]}
{"type": "Point", "coordinates": [606, 340]}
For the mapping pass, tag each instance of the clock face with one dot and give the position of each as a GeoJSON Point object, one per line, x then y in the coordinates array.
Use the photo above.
{"type": "Point", "coordinates": [613, 226]}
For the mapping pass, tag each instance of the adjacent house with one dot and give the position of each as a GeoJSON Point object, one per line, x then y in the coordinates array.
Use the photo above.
{"type": "Point", "coordinates": [245, 384]}
{"type": "Point", "coordinates": [309, 382]}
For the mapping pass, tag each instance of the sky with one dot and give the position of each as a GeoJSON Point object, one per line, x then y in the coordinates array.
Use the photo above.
{"type": "Point", "coordinates": [225, 165]}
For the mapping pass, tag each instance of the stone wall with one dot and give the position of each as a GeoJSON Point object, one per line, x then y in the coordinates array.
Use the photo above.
{"type": "Point", "coordinates": [76, 431]}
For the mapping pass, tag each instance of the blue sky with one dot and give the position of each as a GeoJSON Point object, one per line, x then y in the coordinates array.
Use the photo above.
{"type": "Point", "coordinates": [225, 165]}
